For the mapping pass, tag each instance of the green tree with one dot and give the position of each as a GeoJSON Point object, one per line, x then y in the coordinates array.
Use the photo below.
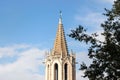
{"type": "Point", "coordinates": [105, 54]}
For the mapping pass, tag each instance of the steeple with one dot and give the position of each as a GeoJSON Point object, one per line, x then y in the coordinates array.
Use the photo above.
{"type": "Point", "coordinates": [60, 46]}
{"type": "Point", "coordinates": [59, 65]}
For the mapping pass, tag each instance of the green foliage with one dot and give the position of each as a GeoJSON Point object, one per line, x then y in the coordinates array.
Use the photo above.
{"type": "Point", "coordinates": [106, 54]}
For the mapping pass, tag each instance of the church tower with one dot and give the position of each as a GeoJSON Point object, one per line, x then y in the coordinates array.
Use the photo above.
{"type": "Point", "coordinates": [60, 65]}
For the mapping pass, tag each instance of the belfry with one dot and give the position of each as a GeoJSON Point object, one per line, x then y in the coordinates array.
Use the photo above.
{"type": "Point", "coordinates": [60, 65]}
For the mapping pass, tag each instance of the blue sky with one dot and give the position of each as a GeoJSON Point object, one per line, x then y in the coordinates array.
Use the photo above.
{"type": "Point", "coordinates": [35, 21]}
{"type": "Point", "coordinates": [28, 29]}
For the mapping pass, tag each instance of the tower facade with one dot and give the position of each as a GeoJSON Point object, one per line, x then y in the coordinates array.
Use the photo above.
{"type": "Point", "coordinates": [60, 65]}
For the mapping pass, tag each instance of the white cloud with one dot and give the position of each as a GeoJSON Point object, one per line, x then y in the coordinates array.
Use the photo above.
{"type": "Point", "coordinates": [79, 76]}
{"type": "Point", "coordinates": [28, 66]}
{"type": "Point", "coordinates": [77, 45]}
{"type": "Point", "coordinates": [110, 1]}
{"type": "Point", "coordinates": [100, 37]}
{"type": "Point", "coordinates": [12, 50]}
{"type": "Point", "coordinates": [82, 57]}
{"type": "Point", "coordinates": [91, 19]}
{"type": "Point", "coordinates": [105, 1]}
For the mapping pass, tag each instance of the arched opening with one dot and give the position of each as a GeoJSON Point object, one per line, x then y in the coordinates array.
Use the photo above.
{"type": "Point", "coordinates": [48, 72]}
{"type": "Point", "coordinates": [56, 71]}
{"type": "Point", "coordinates": [66, 71]}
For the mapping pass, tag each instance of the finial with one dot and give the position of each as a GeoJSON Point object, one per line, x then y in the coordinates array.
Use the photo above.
{"type": "Point", "coordinates": [60, 14]}
{"type": "Point", "coordinates": [60, 19]}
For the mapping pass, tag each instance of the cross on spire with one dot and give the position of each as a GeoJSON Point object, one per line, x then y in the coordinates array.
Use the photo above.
{"type": "Point", "coordinates": [60, 18]}
{"type": "Point", "coordinates": [60, 14]}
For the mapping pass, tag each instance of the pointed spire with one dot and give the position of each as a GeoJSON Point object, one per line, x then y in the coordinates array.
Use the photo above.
{"type": "Point", "coordinates": [60, 46]}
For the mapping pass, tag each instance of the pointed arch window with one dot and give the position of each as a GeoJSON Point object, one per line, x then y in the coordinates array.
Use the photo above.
{"type": "Point", "coordinates": [48, 71]}
{"type": "Point", "coordinates": [66, 71]}
{"type": "Point", "coordinates": [56, 71]}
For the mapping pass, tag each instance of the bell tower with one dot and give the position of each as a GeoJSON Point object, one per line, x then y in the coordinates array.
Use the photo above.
{"type": "Point", "coordinates": [60, 65]}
